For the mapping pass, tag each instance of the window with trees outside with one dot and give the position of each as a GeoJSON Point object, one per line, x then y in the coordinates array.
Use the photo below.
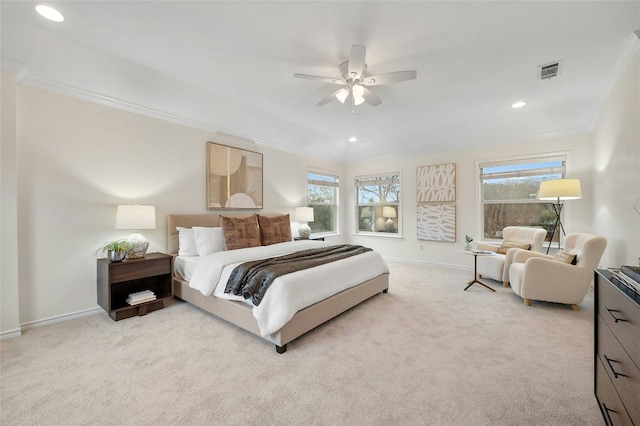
{"type": "Point", "coordinates": [378, 203]}
{"type": "Point", "coordinates": [509, 194]}
{"type": "Point", "coordinates": [322, 190]}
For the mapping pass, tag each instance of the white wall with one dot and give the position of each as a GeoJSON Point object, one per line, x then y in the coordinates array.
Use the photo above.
{"type": "Point", "coordinates": [77, 160]}
{"type": "Point", "coordinates": [580, 148]}
{"type": "Point", "coordinates": [617, 168]}
{"type": "Point", "coordinates": [9, 290]}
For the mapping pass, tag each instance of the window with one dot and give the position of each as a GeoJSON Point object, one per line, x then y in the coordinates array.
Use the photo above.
{"type": "Point", "coordinates": [378, 203]}
{"type": "Point", "coordinates": [322, 193]}
{"type": "Point", "coordinates": [509, 192]}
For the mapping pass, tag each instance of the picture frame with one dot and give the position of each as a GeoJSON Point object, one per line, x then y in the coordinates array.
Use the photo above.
{"type": "Point", "coordinates": [234, 178]}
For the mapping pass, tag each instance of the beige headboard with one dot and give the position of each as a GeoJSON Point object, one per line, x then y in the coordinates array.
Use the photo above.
{"type": "Point", "coordinates": [190, 220]}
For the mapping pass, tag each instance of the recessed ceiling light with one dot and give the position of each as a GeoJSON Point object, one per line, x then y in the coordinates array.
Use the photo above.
{"type": "Point", "coordinates": [518, 104]}
{"type": "Point", "coordinates": [353, 139]}
{"type": "Point", "coordinates": [49, 13]}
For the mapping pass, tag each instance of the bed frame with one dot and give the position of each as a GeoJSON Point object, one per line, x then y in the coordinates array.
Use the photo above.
{"type": "Point", "coordinates": [241, 315]}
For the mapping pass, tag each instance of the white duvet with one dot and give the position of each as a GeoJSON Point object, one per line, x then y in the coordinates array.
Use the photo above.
{"type": "Point", "coordinates": [289, 293]}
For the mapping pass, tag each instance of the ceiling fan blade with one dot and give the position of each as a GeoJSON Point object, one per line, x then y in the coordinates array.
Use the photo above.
{"type": "Point", "coordinates": [328, 99]}
{"type": "Point", "coordinates": [390, 77]}
{"type": "Point", "coordinates": [370, 97]}
{"type": "Point", "coordinates": [356, 59]}
{"type": "Point", "coordinates": [323, 79]}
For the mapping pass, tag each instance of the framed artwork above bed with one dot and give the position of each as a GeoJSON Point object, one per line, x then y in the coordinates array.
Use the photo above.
{"type": "Point", "coordinates": [234, 178]}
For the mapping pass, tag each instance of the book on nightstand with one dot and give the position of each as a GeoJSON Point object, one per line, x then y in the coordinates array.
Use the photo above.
{"type": "Point", "coordinates": [141, 297]}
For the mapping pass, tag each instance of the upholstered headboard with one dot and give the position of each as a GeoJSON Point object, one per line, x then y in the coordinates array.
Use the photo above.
{"type": "Point", "coordinates": [190, 220]}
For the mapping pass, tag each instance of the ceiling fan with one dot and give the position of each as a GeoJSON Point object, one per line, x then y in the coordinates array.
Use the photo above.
{"type": "Point", "coordinates": [354, 81]}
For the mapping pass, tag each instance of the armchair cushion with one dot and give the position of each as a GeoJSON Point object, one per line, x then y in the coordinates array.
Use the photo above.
{"type": "Point", "coordinates": [507, 245]}
{"type": "Point", "coordinates": [564, 257]}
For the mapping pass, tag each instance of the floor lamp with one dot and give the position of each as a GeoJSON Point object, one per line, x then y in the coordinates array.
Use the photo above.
{"type": "Point", "coordinates": [559, 190]}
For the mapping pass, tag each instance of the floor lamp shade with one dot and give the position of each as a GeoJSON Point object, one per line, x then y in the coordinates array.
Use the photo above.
{"type": "Point", "coordinates": [136, 217]}
{"type": "Point", "coordinates": [559, 190]}
{"type": "Point", "coordinates": [304, 215]}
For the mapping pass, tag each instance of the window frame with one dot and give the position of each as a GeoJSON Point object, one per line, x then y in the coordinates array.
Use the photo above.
{"type": "Point", "coordinates": [564, 156]}
{"type": "Point", "coordinates": [336, 205]}
{"type": "Point", "coordinates": [398, 205]}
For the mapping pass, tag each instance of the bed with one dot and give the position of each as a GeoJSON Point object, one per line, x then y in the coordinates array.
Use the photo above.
{"type": "Point", "coordinates": [242, 314]}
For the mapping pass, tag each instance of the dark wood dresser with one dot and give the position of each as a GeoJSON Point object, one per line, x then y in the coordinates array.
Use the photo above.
{"type": "Point", "coordinates": [617, 350]}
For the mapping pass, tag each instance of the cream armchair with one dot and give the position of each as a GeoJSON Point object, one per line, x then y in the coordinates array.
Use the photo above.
{"type": "Point", "coordinates": [536, 276]}
{"type": "Point", "coordinates": [497, 267]}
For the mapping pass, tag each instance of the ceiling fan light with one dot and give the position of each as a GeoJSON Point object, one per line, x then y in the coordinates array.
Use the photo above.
{"type": "Point", "coordinates": [358, 91]}
{"type": "Point", "coordinates": [357, 100]}
{"type": "Point", "coordinates": [342, 95]}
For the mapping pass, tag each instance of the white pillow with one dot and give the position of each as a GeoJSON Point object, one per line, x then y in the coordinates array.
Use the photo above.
{"type": "Point", "coordinates": [208, 240]}
{"type": "Point", "coordinates": [186, 242]}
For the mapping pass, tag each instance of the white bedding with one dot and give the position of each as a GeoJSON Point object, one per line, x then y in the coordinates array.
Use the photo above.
{"type": "Point", "coordinates": [289, 293]}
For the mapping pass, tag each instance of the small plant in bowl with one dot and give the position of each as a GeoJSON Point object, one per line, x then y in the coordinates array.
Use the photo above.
{"type": "Point", "coordinates": [468, 239]}
{"type": "Point", "coordinates": [115, 250]}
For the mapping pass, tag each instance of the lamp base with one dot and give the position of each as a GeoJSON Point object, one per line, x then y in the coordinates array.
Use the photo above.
{"type": "Point", "coordinates": [388, 225]}
{"type": "Point", "coordinates": [304, 231]}
{"type": "Point", "coordinates": [138, 246]}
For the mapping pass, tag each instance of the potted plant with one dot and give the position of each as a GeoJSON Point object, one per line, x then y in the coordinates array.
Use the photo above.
{"type": "Point", "coordinates": [115, 250]}
{"type": "Point", "coordinates": [467, 244]}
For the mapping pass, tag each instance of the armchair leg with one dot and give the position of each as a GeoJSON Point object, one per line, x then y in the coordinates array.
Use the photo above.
{"type": "Point", "coordinates": [479, 275]}
{"type": "Point", "coordinates": [505, 283]}
{"type": "Point", "coordinates": [527, 302]}
{"type": "Point", "coordinates": [575, 307]}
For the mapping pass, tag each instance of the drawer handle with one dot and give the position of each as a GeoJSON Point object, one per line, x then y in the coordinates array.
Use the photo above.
{"type": "Point", "coordinates": [615, 373]}
{"type": "Point", "coordinates": [616, 319]}
{"type": "Point", "coordinates": [607, 410]}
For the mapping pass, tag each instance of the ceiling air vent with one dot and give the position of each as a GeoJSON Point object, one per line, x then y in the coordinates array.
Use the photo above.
{"type": "Point", "coordinates": [548, 71]}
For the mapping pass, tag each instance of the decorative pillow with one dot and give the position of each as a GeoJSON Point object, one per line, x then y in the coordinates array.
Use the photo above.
{"type": "Point", "coordinates": [240, 232]}
{"type": "Point", "coordinates": [507, 245]}
{"type": "Point", "coordinates": [564, 257]}
{"type": "Point", "coordinates": [208, 240]}
{"type": "Point", "coordinates": [274, 229]}
{"type": "Point", "coordinates": [186, 242]}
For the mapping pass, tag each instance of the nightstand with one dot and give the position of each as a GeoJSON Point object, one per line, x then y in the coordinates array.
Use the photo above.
{"type": "Point", "coordinates": [310, 238]}
{"type": "Point", "coordinates": [116, 280]}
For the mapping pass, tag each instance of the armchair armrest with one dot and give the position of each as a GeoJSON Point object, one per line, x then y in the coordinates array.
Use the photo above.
{"type": "Point", "coordinates": [521, 256]}
{"type": "Point", "coordinates": [487, 246]}
{"type": "Point", "coordinates": [549, 280]}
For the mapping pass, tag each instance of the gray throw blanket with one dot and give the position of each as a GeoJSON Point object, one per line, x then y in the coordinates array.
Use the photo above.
{"type": "Point", "coordinates": [252, 279]}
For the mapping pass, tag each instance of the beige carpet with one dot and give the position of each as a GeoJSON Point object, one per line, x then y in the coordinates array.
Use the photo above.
{"type": "Point", "coordinates": [426, 353]}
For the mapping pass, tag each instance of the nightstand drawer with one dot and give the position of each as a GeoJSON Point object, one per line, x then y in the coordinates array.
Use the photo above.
{"type": "Point", "coordinates": [133, 269]}
{"type": "Point", "coordinates": [612, 306]}
{"type": "Point", "coordinates": [612, 408]}
{"type": "Point", "coordinates": [620, 368]}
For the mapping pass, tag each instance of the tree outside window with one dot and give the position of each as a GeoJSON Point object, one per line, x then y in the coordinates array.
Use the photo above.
{"type": "Point", "coordinates": [509, 194]}
{"type": "Point", "coordinates": [322, 193]}
{"type": "Point", "coordinates": [378, 206]}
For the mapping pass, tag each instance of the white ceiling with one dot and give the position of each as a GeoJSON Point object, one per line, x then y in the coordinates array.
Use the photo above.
{"type": "Point", "coordinates": [228, 66]}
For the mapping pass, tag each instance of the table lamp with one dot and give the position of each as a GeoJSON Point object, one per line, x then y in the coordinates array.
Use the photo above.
{"type": "Point", "coordinates": [559, 190]}
{"type": "Point", "coordinates": [136, 217]}
{"type": "Point", "coordinates": [390, 213]}
{"type": "Point", "coordinates": [304, 215]}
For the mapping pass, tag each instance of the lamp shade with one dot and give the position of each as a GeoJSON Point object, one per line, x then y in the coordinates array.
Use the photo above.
{"type": "Point", "coordinates": [388, 211]}
{"type": "Point", "coordinates": [560, 189]}
{"type": "Point", "coordinates": [304, 214]}
{"type": "Point", "coordinates": [135, 217]}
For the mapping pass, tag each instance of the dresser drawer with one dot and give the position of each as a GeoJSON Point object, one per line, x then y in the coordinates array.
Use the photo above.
{"type": "Point", "coordinates": [614, 306]}
{"type": "Point", "coordinates": [612, 408]}
{"type": "Point", "coordinates": [621, 370]}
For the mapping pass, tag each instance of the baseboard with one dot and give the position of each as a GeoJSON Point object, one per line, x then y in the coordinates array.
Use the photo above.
{"type": "Point", "coordinates": [61, 318]}
{"type": "Point", "coordinates": [10, 334]}
{"type": "Point", "coordinates": [424, 262]}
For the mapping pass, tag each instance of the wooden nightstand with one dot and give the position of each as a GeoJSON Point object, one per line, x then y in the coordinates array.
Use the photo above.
{"type": "Point", "coordinates": [116, 280]}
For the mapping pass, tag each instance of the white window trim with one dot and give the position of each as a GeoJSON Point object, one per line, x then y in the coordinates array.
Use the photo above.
{"type": "Point", "coordinates": [566, 210]}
